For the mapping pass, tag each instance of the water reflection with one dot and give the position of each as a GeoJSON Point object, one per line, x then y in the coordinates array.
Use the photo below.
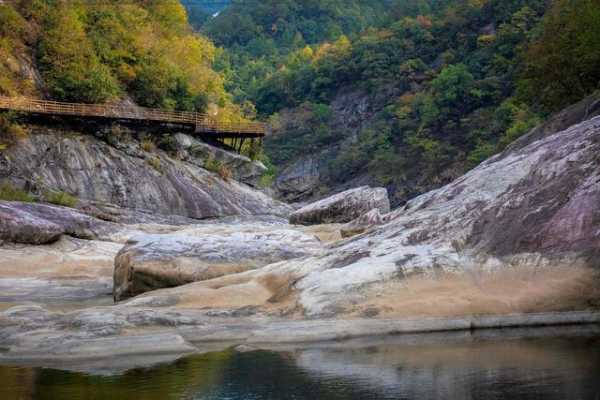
{"type": "Point", "coordinates": [450, 366]}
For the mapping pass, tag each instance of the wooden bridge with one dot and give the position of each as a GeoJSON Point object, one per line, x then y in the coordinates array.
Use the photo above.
{"type": "Point", "coordinates": [201, 123]}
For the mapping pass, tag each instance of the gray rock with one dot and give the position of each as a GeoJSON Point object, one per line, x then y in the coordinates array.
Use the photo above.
{"type": "Point", "coordinates": [343, 207]}
{"type": "Point", "coordinates": [299, 180]}
{"type": "Point", "coordinates": [21, 227]}
{"type": "Point", "coordinates": [93, 170]}
{"type": "Point", "coordinates": [197, 152]}
{"type": "Point", "coordinates": [35, 223]}
{"type": "Point", "coordinates": [152, 262]}
{"type": "Point", "coordinates": [362, 223]}
{"type": "Point", "coordinates": [534, 207]}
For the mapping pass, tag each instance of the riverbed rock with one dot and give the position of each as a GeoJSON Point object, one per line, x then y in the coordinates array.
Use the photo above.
{"type": "Point", "coordinates": [531, 209]}
{"type": "Point", "coordinates": [343, 207]}
{"type": "Point", "coordinates": [151, 262]}
{"type": "Point", "coordinates": [35, 223]}
{"type": "Point", "coordinates": [25, 228]}
{"type": "Point", "coordinates": [520, 233]}
{"type": "Point", "coordinates": [361, 224]}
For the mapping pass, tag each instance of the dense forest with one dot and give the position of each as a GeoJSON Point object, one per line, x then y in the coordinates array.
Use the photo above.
{"type": "Point", "coordinates": [408, 94]}
{"type": "Point", "coordinates": [260, 35]}
{"type": "Point", "coordinates": [444, 83]}
{"type": "Point", "coordinates": [109, 51]}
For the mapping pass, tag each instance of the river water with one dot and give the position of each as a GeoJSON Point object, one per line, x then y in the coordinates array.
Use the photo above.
{"type": "Point", "coordinates": [549, 363]}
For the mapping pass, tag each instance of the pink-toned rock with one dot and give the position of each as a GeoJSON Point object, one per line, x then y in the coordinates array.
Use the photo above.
{"type": "Point", "coordinates": [343, 207]}
{"type": "Point", "coordinates": [364, 222]}
{"type": "Point", "coordinates": [35, 223]}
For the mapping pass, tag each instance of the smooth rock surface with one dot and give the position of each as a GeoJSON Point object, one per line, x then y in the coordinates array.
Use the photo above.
{"type": "Point", "coordinates": [361, 224]}
{"type": "Point", "coordinates": [299, 180]}
{"type": "Point", "coordinates": [122, 173]}
{"type": "Point", "coordinates": [32, 334]}
{"type": "Point", "coordinates": [515, 242]}
{"type": "Point", "coordinates": [34, 223]}
{"type": "Point", "coordinates": [519, 233]}
{"type": "Point", "coordinates": [197, 152]}
{"type": "Point", "coordinates": [152, 262]}
{"type": "Point", "coordinates": [343, 207]}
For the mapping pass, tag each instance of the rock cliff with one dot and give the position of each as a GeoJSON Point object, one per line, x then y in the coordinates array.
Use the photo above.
{"type": "Point", "coordinates": [119, 168]}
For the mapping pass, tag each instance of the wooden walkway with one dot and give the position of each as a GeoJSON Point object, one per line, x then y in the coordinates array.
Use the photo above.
{"type": "Point", "coordinates": [201, 123]}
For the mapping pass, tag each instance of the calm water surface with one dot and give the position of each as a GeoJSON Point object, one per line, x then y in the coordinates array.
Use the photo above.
{"type": "Point", "coordinates": [512, 365]}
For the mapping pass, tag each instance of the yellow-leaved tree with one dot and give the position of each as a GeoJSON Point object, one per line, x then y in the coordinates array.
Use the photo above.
{"type": "Point", "coordinates": [110, 50]}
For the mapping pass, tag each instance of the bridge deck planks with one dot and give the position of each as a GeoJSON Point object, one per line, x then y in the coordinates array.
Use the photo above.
{"type": "Point", "coordinates": [202, 123]}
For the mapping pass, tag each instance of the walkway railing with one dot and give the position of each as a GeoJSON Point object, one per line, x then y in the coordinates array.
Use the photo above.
{"type": "Point", "coordinates": [203, 123]}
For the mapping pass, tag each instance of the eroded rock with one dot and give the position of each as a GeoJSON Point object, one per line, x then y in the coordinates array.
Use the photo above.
{"type": "Point", "coordinates": [298, 180]}
{"type": "Point", "coordinates": [343, 207]}
{"type": "Point", "coordinates": [35, 223]}
{"type": "Point", "coordinates": [362, 223]}
{"type": "Point", "coordinates": [125, 175]}
{"type": "Point", "coordinates": [152, 262]}
{"type": "Point", "coordinates": [518, 234]}
{"type": "Point", "coordinates": [197, 152]}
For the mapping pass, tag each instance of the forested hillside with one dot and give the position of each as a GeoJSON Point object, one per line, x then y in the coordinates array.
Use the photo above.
{"type": "Point", "coordinates": [406, 94]}
{"type": "Point", "coordinates": [109, 51]}
{"type": "Point", "coordinates": [260, 34]}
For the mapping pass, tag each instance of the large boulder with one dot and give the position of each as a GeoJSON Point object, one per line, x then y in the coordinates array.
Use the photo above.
{"type": "Point", "coordinates": [200, 253]}
{"type": "Point", "coordinates": [35, 223]}
{"type": "Point", "coordinates": [343, 207]}
{"type": "Point", "coordinates": [21, 227]}
{"type": "Point", "coordinates": [196, 152]}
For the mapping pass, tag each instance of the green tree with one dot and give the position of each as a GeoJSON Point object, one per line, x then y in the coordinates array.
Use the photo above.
{"type": "Point", "coordinates": [71, 68]}
{"type": "Point", "coordinates": [563, 64]}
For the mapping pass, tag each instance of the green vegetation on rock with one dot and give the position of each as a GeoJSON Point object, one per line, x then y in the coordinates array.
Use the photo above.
{"type": "Point", "coordinates": [9, 192]}
{"type": "Point", "coordinates": [61, 198]}
{"type": "Point", "coordinates": [10, 130]}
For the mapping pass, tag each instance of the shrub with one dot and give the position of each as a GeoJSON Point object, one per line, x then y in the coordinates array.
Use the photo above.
{"type": "Point", "coordinates": [10, 130]}
{"type": "Point", "coordinates": [8, 192]}
{"type": "Point", "coordinates": [117, 131]}
{"type": "Point", "coordinates": [212, 164]}
{"type": "Point", "coordinates": [61, 198]}
{"type": "Point", "coordinates": [254, 150]}
{"type": "Point", "coordinates": [270, 175]}
{"type": "Point", "coordinates": [148, 145]}
{"type": "Point", "coordinates": [224, 173]}
{"type": "Point", "coordinates": [168, 143]}
{"type": "Point", "coordinates": [155, 163]}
